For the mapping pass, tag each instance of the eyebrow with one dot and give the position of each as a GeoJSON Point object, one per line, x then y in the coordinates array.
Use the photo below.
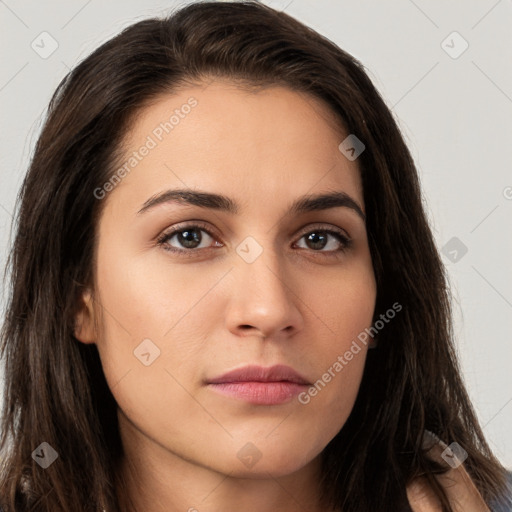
{"type": "Point", "coordinates": [304, 204]}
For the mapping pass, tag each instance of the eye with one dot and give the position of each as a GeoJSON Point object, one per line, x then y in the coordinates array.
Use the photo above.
{"type": "Point", "coordinates": [190, 238]}
{"type": "Point", "coordinates": [320, 238]}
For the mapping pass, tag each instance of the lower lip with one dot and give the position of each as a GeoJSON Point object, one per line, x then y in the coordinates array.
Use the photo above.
{"type": "Point", "coordinates": [260, 393]}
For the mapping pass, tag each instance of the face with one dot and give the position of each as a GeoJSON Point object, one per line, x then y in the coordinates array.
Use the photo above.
{"type": "Point", "coordinates": [189, 289]}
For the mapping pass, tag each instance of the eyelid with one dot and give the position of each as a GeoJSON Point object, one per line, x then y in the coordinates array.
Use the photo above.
{"type": "Point", "coordinates": [346, 239]}
{"type": "Point", "coordinates": [324, 227]}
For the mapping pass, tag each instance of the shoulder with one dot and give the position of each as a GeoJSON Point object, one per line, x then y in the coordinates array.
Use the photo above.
{"type": "Point", "coordinates": [458, 485]}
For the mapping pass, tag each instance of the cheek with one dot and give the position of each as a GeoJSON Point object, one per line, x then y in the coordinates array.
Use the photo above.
{"type": "Point", "coordinates": [153, 332]}
{"type": "Point", "coordinates": [344, 308]}
{"type": "Point", "coordinates": [343, 304]}
{"type": "Point", "coordinates": [148, 318]}
{"type": "Point", "coordinates": [142, 297]}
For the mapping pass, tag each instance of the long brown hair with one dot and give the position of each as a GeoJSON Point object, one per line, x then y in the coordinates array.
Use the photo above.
{"type": "Point", "coordinates": [55, 390]}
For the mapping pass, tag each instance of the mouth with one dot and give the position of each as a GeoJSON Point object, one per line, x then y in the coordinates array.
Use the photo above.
{"type": "Point", "coordinates": [258, 385]}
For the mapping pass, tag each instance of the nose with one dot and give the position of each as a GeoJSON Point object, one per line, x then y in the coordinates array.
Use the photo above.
{"type": "Point", "coordinates": [264, 298]}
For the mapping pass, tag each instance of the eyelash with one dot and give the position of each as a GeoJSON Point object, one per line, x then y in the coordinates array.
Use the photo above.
{"type": "Point", "coordinates": [346, 242]}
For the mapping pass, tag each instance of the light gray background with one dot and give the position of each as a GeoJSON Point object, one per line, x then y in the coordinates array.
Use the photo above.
{"type": "Point", "coordinates": [456, 114]}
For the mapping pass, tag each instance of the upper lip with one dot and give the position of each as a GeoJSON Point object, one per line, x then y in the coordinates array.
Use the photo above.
{"type": "Point", "coordinates": [254, 373]}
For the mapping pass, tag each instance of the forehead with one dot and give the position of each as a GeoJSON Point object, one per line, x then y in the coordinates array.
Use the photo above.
{"type": "Point", "coordinates": [219, 137]}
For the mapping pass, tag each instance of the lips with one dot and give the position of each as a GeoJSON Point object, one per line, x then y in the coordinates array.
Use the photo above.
{"type": "Point", "coordinates": [258, 385]}
{"type": "Point", "coordinates": [277, 373]}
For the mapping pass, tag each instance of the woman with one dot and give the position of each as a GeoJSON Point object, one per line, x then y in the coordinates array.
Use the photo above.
{"type": "Point", "coordinates": [225, 293]}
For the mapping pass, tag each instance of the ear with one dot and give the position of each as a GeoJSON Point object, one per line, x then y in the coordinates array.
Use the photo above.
{"type": "Point", "coordinates": [85, 330]}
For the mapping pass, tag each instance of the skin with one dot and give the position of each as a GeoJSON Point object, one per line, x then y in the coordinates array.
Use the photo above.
{"type": "Point", "coordinates": [208, 313]}
{"type": "Point", "coordinates": [460, 489]}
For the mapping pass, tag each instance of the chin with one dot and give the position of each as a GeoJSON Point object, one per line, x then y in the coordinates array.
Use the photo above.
{"type": "Point", "coordinates": [276, 457]}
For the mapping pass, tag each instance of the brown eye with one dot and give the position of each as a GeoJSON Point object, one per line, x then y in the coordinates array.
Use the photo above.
{"type": "Point", "coordinates": [189, 238]}
{"type": "Point", "coordinates": [317, 240]}
{"type": "Point", "coordinates": [186, 238]}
